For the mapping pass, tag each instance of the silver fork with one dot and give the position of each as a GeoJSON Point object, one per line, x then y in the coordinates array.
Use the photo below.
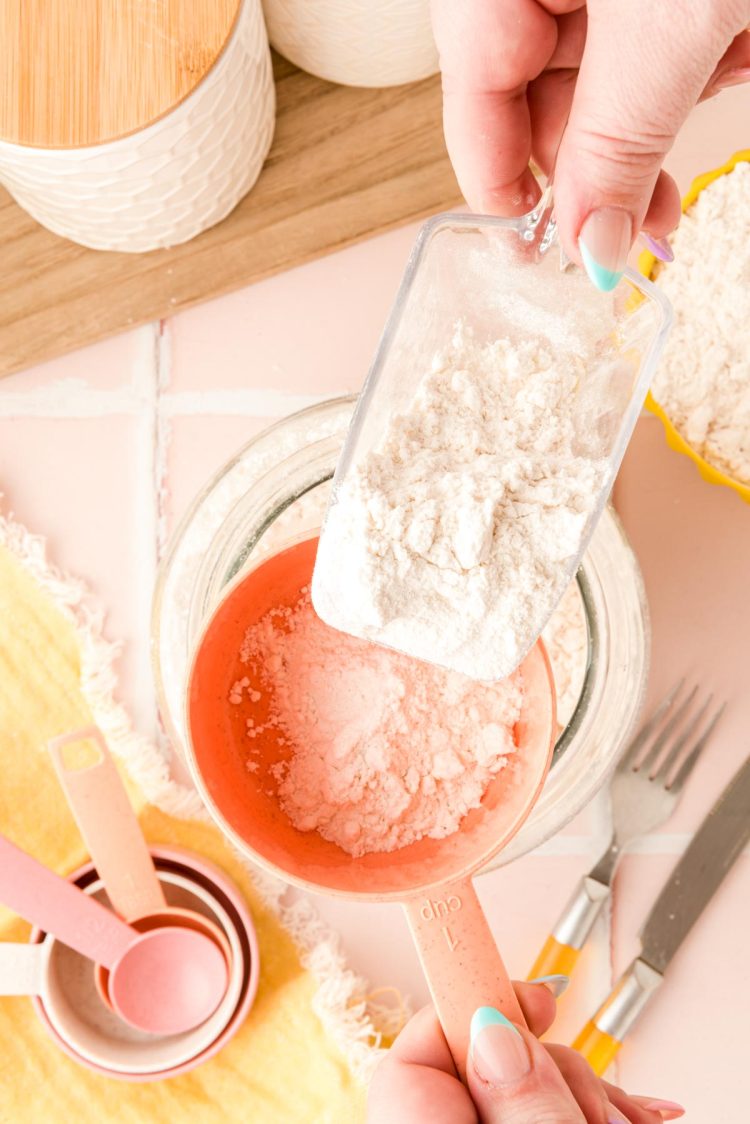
{"type": "Point", "coordinates": [645, 789]}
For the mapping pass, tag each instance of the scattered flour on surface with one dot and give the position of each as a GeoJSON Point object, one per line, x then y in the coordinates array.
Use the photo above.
{"type": "Point", "coordinates": [377, 750]}
{"type": "Point", "coordinates": [456, 537]}
{"type": "Point", "coordinates": [703, 379]}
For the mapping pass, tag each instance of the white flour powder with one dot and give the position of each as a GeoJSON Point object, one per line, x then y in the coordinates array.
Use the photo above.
{"type": "Point", "coordinates": [565, 635]}
{"type": "Point", "coordinates": [703, 380]}
{"type": "Point", "coordinates": [454, 540]}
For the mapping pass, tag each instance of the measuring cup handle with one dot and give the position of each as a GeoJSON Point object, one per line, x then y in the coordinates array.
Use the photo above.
{"type": "Point", "coordinates": [461, 962]}
{"type": "Point", "coordinates": [22, 968]}
{"type": "Point", "coordinates": [58, 906]}
{"type": "Point", "coordinates": [109, 827]}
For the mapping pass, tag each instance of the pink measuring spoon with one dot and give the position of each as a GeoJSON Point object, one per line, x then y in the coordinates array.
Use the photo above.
{"type": "Point", "coordinates": [164, 981]}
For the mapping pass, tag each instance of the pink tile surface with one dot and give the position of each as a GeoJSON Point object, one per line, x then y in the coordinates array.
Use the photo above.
{"type": "Point", "coordinates": [693, 544]}
{"type": "Point", "coordinates": [109, 365]}
{"type": "Point", "coordinates": [714, 131]}
{"type": "Point", "coordinates": [690, 1041]}
{"type": "Point", "coordinates": [197, 448]}
{"type": "Point", "coordinates": [76, 482]}
{"type": "Point", "coordinates": [311, 330]}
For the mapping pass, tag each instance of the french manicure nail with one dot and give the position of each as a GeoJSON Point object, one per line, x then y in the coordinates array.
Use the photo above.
{"type": "Point", "coordinates": [736, 77]}
{"type": "Point", "coordinates": [604, 242]}
{"type": "Point", "coordinates": [498, 1052]}
{"type": "Point", "coordinates": [669, 1110]}
{"type": "Point", "coordinates": [557, 984]}
{"type": "Point", "coordinates": [659, 247]}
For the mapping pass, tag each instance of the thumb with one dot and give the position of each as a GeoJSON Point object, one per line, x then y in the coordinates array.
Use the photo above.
{"type": "Point", "coordinates": [512, 1078]}
{"type": "Point", "coordinates": [644, 67]}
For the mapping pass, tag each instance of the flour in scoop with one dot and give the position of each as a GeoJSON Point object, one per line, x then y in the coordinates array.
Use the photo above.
{"type": "Point", "coordinates": [455, 538]}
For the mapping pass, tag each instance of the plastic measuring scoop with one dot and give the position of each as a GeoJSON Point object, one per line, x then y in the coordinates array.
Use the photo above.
{"type": "Point", "coordinates": [479, 280]}
{"type": "Point", "coordinates": [432, 877]}
{"type": "Point", "coordinates": [164, 981]}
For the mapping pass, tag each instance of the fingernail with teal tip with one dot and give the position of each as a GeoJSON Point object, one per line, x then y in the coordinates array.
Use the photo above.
{"type": "Point", "coordinates": [557, 984]}
{"type": "Point", "coordinates": [498, 1052]}
{"type": "Point", "coordinates": [659, 247]}
{"type": "Point", "coordinates": [604, 242]}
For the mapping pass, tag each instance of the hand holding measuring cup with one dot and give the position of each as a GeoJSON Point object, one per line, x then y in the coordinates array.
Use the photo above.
{"type": "Point", "coordinates": [511, 1077]}
{"type": "Point", "coordinates": [431, 876]}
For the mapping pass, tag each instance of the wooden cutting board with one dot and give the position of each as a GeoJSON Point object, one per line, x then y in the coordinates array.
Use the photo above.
{"type": "Point", "coordinates": [345, 163]}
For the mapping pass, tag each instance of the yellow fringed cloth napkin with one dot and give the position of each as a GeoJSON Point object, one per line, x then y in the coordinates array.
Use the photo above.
{"type": "Point", "coordinates": [308, 1039]}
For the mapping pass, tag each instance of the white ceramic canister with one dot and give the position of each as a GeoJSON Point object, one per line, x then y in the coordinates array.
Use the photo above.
{"type": "Point", "coordinates": [175, 174]}
{"type": "Point", "coordinates": [355, 42]}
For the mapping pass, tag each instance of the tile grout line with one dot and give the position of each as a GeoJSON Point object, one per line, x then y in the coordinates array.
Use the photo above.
{"type": "Point", "coordinates": [68, 398]}
{"type": "Point", "coordinates": [73, 398]}
{"type": "Point", "coordinates": [249, 402]}
{"type": "Point", "coordinates": [162, 433]}
{"type": "Point", "coordinates": [145, 397]}
{"type": "Point", "coordinates": [160, 487]}
{"type": "Point", "coordinates": [670, 846]}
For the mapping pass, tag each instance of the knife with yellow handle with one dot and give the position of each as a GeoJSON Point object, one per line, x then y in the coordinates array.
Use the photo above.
{"type": "Point", "coordinates": [642, 798]}
{"type": "Point", "coordinates": [693, 882]}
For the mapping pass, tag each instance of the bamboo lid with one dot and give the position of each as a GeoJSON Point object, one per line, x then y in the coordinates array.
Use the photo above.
{"type": "Point", "coordinates": [80, 72]}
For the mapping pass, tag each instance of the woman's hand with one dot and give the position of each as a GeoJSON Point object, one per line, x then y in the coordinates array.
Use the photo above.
{"type": "Point", "coordinates": [623, 75]}
{"type": "Point", "coordinates": [512, 1078]}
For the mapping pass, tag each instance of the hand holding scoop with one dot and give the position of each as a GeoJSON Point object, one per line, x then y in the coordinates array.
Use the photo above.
{"type": "Point", "coordinates": [164, 981]}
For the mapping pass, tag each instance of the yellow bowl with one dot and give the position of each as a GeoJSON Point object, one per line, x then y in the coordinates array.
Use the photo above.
{"type": "Point", "coordinates": [648, 263]}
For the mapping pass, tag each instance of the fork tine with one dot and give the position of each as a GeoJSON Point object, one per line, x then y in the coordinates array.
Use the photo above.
{"type": "Point", "coordinates": [673, 753]}
{"type": "Point", "coordinates": [634, 746]}
{"type": "Point", "coordinates": [653, 754]}
{"type": "Point", "coordinates": [687, 766]}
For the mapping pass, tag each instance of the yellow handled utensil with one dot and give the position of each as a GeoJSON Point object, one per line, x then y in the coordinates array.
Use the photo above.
{"type": "Point", "coordinates": [602, 1036]}
{"type": "Point", "coordinates": [555, 959]}
{"type": "Point", "coordinates": [645, 789]}
{"type": "Point", "coordinates": [689, 889]}
{"type": "Point", "coordinates": [597, 1047]}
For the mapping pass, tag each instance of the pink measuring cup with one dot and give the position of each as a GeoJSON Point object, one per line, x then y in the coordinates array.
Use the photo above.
{"type": "Point", "coordinates": [431, 877]}
{"type": "Point", "coordinates": [164, 981]}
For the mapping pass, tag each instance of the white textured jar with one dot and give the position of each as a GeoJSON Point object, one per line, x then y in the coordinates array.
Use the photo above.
{"type": "Point", "coordinates": [355, 42]}
{"type": "Point", "coordinates": [165, 182]}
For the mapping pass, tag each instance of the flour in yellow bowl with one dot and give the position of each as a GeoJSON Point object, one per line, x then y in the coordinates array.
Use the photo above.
{"type": "Point", "coordinates": [701, 391]}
